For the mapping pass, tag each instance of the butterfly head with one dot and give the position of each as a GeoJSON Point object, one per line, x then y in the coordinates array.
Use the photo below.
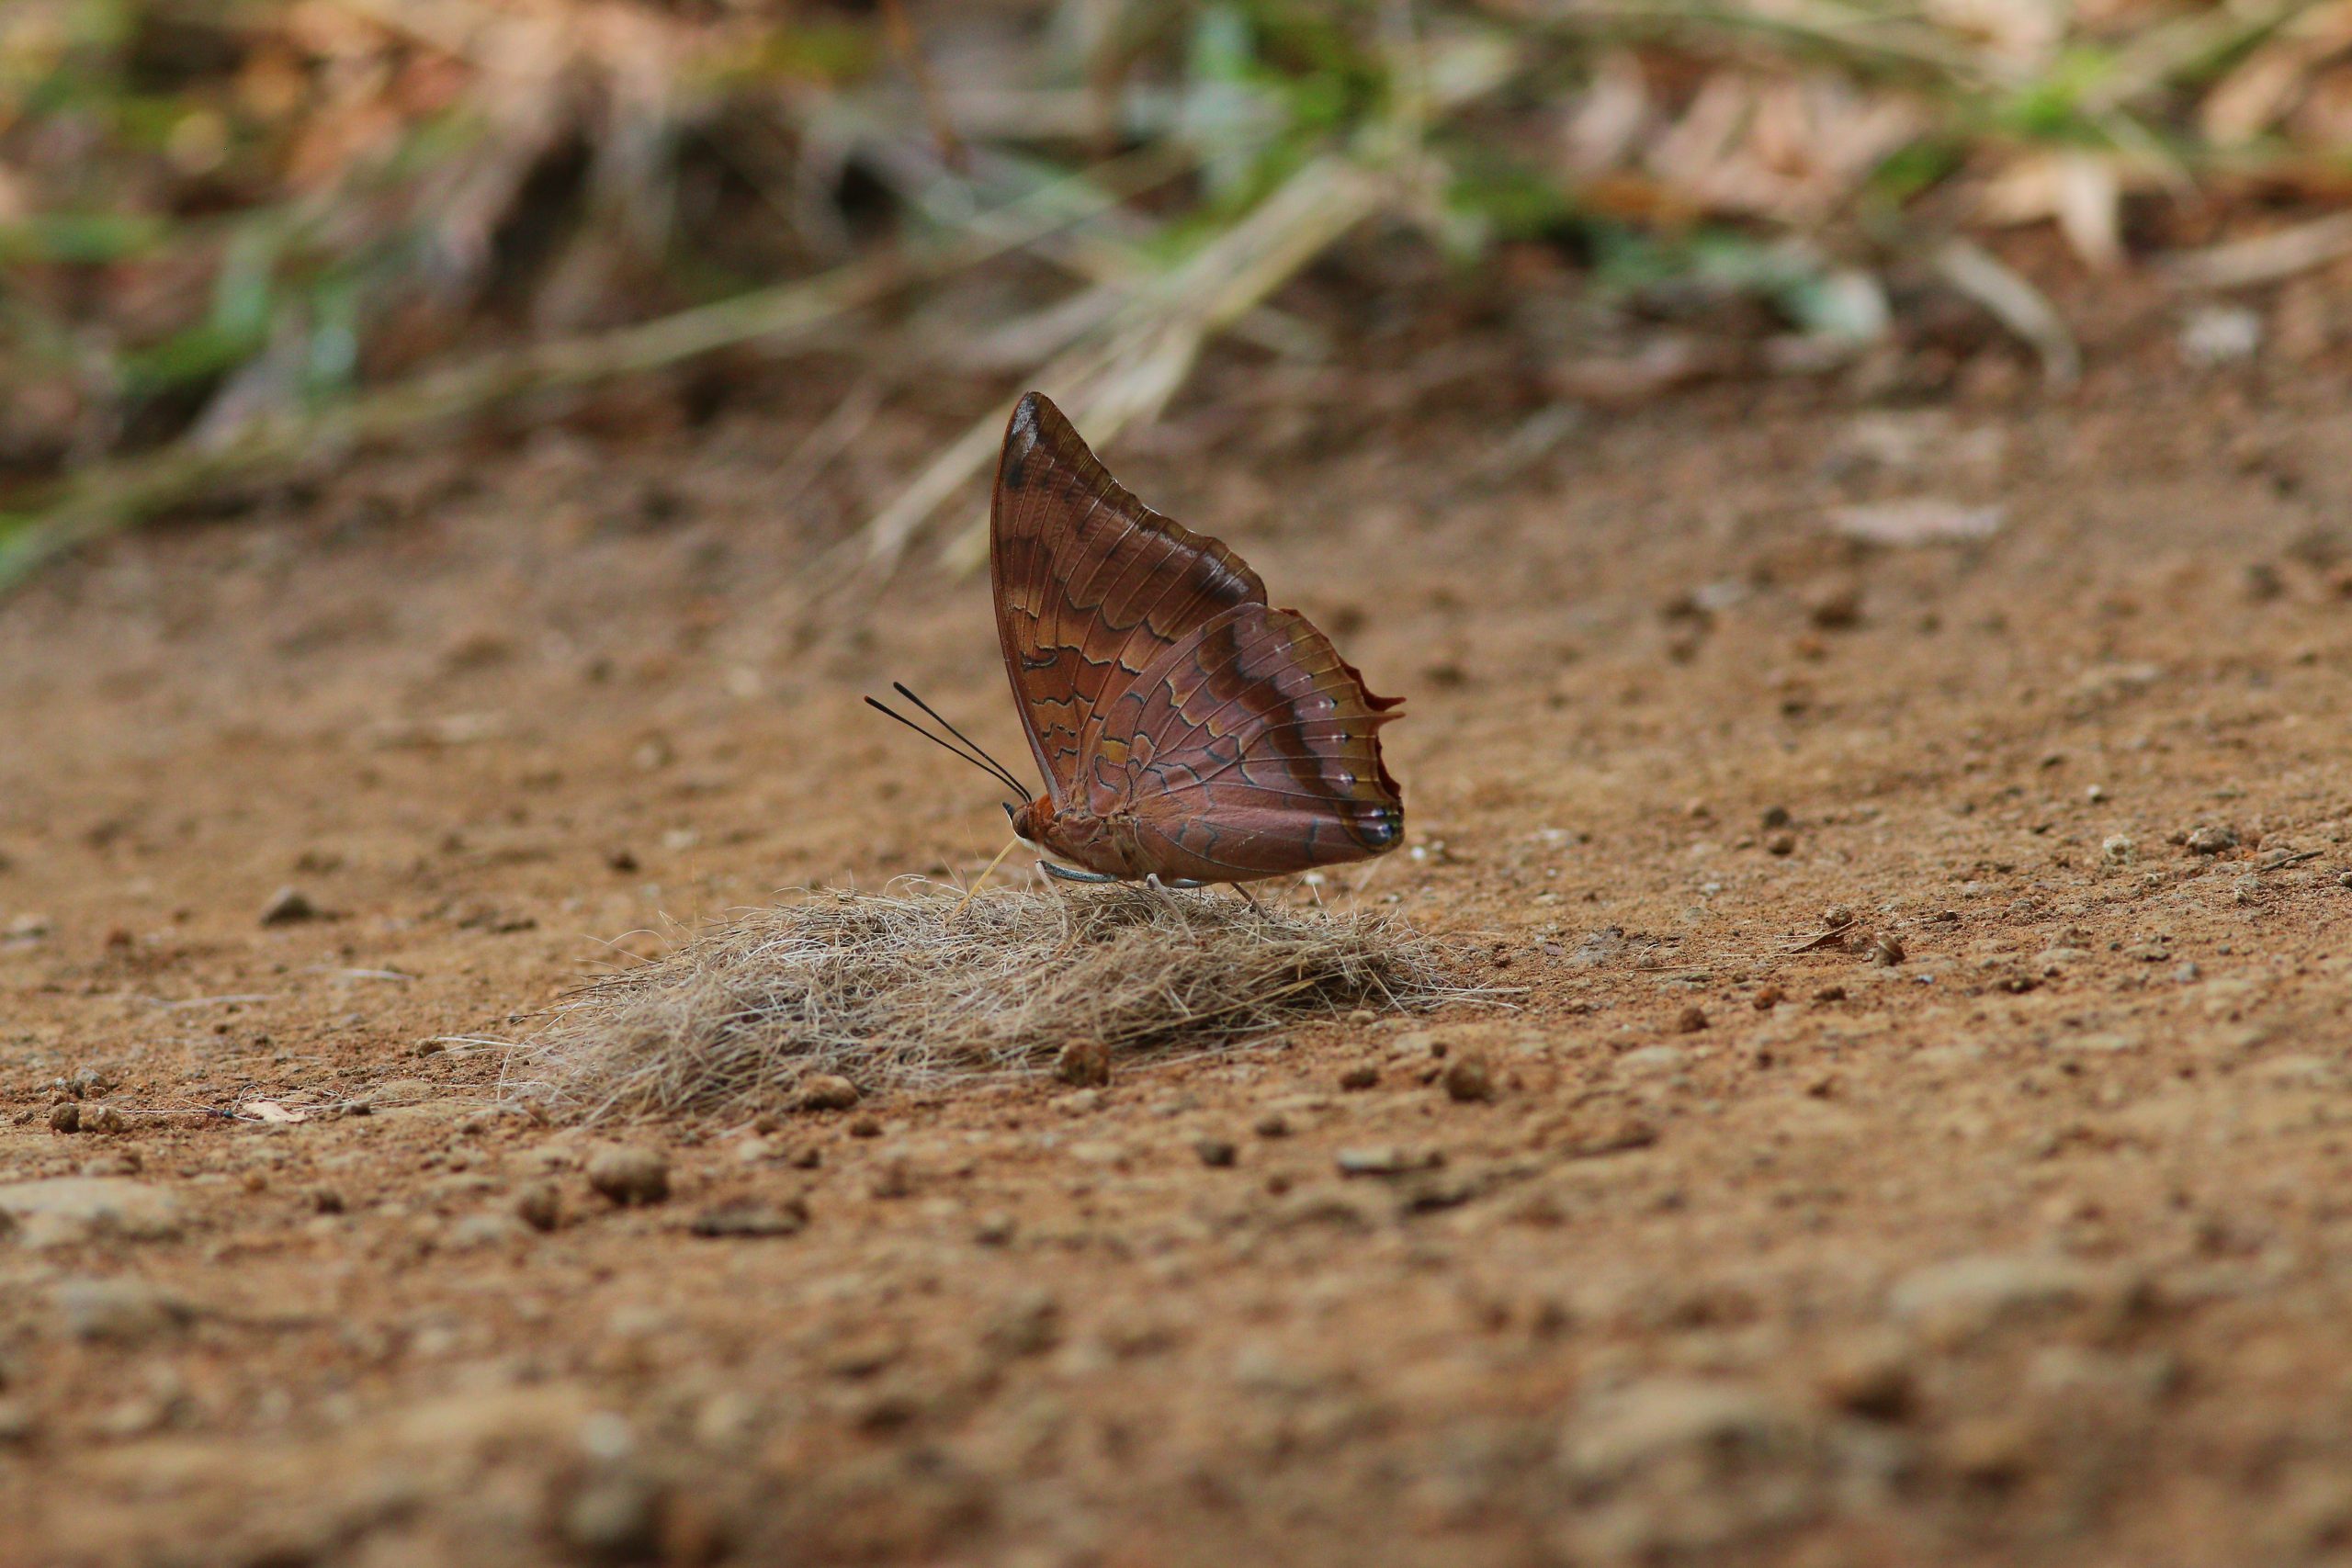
{"type": "Point", "coordinates": [1029, 820]}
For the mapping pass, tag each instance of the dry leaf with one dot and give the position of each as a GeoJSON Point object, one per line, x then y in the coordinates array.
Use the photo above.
{"type": "Point", "coordinates": [270, 1111]}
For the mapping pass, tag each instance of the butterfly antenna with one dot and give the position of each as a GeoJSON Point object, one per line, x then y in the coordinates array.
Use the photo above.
{"type": "Point", "coordinates": [984, 763]}
{"type": "Point", "coordinates": [1002, 771]}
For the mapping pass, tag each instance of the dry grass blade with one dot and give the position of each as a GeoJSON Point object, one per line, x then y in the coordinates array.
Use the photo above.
{"type": "Point", "coordinates": [2266, 258]}
{"type": "Point", "coordinates": [893, 991]}
{"type": "Point", "coordinates": [2180, 44]}
{"type": "Point", "coordinates": [2016, 304]}
{"type": "Point", "coordinates": [1125, 368]}
{"type": "Point", "coordinates": [1853, 29]}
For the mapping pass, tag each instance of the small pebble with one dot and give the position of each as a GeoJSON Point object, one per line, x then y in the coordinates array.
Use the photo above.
{"type": "Point", "coordinates": [865, 1127]}
{"type": "Point", "coordinates": [104, 1119]}
{"type": "Point", "coordinates": [1783, 843]}
{"type": "Point", "coordinates": [1770, 997]}
{"type": "Point", "coordinates": [1830, 994]}
{"type": "Point", "coordinates": [483, 1231]}
{"type": "Point", "coordinates": [539, 1206]}
{"type": "Point", "coordinates": [1870, 1381]}
{"type": "Point", "coordinates": [1837, 608]}
{"type": "Point", "coordinates": [630, 1176]}
{"type": "Point", "coordinates": [1887, 949]}
{"type": "Point", "coordinates": [1029, 1325]}
{"type": "Point", "coordinates": [65, 1116]}
{"type": "Point", "coordinates": [2118, 849]}
{"type": "Point", "coordinates": [994, 1230]}
{"type": "Point", "coordinates": [1988, 1450]}
{"type": "Point", "coordinates": [288, 906]}
{"type": "Point", "coordinates": [615, 1519]}
{"type": "Point", "coordinates": [2209, 840]}
{"type": "Point", "coordinates": [2344, 879]}
{"type": "Point", "coordinates": [120, 1311]}
{"type": "Point", "coordinates": [1838, 915]}
{"type": "Point", "coordinates": [893, 1178]}
{"type": "Point", "coordinates": [1468, 1079]}
{"type": "Point", "coordinates": [326, 1200]}
{"type": "Point", "coordinates": [828, 1092]}
{"type": "Point", "coordinates": [1776, 817]}
{"type": "Point", "coordinates": [753, 1217]}
{"type": "Point", "coordinates": [2221, 334]}
{"type": "Point", "coordinates": [1217, 1152]}
{"type": "Point", "coordinates": [1362, 1076]}
{"type": "Point", "coordinates": [1361, 1016]}
{"type": "Point", "coordinates": [1385, 1159]}
{"type": "Point", "coordinates": [1691, 1020]}
{"type": "Point", "coordinates": [1084, 1063]}
{"type": "Point", "coordinates": [1272, 1125]}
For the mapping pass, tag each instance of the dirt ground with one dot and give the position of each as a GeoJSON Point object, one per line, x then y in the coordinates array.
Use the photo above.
{"type": "Point", "coordinates": [2034, 1246]}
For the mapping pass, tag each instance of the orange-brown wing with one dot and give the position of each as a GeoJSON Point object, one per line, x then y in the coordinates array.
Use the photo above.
{"type": "Point", "coordinates": [1251, 748]}
{"type": "Point", "coordinates": [1091, 585]}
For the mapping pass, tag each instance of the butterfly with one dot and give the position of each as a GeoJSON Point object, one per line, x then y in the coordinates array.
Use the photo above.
{"type": "Point", "coordinates": [1188, 732]}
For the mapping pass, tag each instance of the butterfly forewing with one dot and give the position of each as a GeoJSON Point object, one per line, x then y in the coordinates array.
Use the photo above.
{"type": "Point", "coordinates": [1091, 586]}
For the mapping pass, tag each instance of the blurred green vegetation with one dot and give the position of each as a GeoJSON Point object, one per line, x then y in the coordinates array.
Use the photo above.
{"type": "Point", "coordinates": [217, 216]}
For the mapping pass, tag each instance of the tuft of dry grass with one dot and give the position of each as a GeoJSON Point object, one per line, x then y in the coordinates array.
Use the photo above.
{"type": "Point", "coordinates": [907, 989]}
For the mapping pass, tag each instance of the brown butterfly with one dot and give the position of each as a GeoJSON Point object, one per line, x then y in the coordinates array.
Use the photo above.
{"type": "Point", "coordinates": [1188, 733]}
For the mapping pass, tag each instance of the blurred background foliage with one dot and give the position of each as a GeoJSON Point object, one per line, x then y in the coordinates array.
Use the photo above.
{"type": "Point", "coordinates": [232, 229]}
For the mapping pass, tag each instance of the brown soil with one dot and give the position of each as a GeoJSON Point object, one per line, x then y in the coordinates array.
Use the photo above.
{"type": "Point", "coordinates": [2033, 1247]}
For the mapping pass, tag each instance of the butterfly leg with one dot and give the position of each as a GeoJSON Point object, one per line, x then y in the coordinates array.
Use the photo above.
{"type": "Point", "coordinates": [1247, 898]}
{"type": "Point", "coordinates": [1064, 873]}
{"type": "Point", "coordinates": [1164, 891]}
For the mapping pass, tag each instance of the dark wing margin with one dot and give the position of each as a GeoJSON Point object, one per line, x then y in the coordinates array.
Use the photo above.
{"type": "Point", "coordinates": [1091, 586]}
{"type": "Point", "coordinates": [1251, 748]}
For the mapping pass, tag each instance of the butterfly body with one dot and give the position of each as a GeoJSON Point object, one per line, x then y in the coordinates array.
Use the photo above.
{"type": "Point", "coordinates": [1186, 729]}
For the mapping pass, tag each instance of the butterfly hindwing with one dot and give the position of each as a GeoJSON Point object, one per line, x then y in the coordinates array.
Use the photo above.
{"type": "Point", "coordinates": [1249, 749]}
{"type": "Point", "coordinates": [1091, 586]}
